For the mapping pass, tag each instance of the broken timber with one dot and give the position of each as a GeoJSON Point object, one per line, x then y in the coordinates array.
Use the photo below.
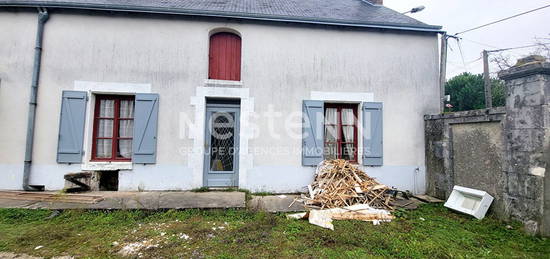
{"type": "Point", "coordinates": [76, 178]}
{"type": "Point", "coordinates": [428, 199]}
{"type": "Point", "coordinates": [339, 183]}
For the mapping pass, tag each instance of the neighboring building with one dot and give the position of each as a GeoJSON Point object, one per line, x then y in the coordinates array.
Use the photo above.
{"type": "Point", "coordinates": [119, 82]}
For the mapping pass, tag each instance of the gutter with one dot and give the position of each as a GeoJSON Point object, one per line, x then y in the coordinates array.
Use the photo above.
{"type": "Point", "coordinates": [42, 18]}
{"type": "Point", "coordinates": [204, 13]}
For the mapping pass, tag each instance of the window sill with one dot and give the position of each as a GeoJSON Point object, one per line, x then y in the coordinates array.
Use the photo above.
{"type": "Point", "coordinates": [106, 166]}
{"type": "Point", "coordinates": [222, 83]}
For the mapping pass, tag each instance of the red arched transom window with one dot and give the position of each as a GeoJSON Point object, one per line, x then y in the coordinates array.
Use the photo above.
{"type": "Point", "coordinates": [225, 57]}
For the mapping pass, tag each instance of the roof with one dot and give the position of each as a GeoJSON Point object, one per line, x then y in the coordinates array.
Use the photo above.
{"type": "Point", "coordinates": [357, 13]}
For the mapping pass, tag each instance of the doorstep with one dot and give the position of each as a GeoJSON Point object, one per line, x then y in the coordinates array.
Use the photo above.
{"type": "Point", "coordinates": [276, 203]}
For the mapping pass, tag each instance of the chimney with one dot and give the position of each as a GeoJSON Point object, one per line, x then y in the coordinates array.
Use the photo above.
{"type": "Point", "coordinates": [376, 2]}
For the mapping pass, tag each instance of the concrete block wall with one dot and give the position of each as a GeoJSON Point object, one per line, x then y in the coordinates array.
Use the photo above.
{"type": "Point", "coordinates": [512, 154]}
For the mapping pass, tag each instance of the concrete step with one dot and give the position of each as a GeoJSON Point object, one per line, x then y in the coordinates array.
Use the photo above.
{"type": "Point", "coordinates": [276, 203]}
{"type": "Point", "coordinates": [142, 200]}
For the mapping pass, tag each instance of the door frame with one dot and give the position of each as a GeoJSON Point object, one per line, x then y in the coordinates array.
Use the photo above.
{"type": "Point", "coordinates": [221, 107]}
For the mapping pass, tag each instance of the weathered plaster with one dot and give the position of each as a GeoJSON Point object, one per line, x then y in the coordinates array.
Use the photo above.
{"type": "Point", "coordinates": [357, 97]}
{"type": "Point", "coordinates": [51, 176]}
{"type": "Point", "coordinates": [440, 150]}
{"type": "Point", "coordinates": [156, 178]}
{"type": "Point", "coordinates": [111, 87]}
{"type": "Point", "coordinates": [290, 179]}
{"type": "Point", "coordinates": [12, 178]}
{"type": "Point", "coordinates": [281, 66]}
{"type": "Point", "coordinates": [478, 160]}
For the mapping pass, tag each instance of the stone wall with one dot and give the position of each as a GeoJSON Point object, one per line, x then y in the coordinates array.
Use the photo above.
{"type": "Point", "coordinates": [467, 149]}
{"type": "Point", "coordinates": [528, 143]}
{"type": "Point", "coordinates": [504, 151]}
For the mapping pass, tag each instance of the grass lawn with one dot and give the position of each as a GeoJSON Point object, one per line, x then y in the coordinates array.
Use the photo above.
{"type": "Point", "coordinates": [429, 232]}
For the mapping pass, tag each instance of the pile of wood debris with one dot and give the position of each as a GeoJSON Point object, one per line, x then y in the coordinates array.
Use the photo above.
{"type": "Point", "coordinates": [341, 191]}
{"type": "Point", "coordinates": [338, 183]}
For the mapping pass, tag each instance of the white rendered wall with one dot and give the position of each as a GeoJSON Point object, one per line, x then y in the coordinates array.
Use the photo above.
{"type": "Point", "coordinates": [282, 65]}
{"type": "Point", "coordinates": [16, 58]}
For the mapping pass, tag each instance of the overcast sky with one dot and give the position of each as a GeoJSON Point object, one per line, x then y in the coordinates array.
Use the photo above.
{"type": "Point", "coordinates": [459, 15]}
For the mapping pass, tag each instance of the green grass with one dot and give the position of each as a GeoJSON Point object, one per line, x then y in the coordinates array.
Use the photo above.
{"type": "Point", "coordinates": [201, 189]}
{"type": "Point", "coordinates": [429, 232]}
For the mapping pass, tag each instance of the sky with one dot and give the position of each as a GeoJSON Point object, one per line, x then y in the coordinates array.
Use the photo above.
{"type": "Point", "coordinates": [459, 15]}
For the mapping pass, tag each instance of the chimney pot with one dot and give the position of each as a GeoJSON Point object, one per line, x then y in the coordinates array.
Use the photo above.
{"type": "Point", "coordinates": [376, 2]}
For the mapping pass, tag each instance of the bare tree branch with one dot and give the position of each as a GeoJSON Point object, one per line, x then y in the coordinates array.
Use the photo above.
{"type": "Point", "coordinates": [543, 47]}
{"type": "Point", "coordinates": [502, 60]}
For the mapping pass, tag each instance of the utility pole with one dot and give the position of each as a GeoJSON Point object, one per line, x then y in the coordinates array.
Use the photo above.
{"type": "Point", "coordinates": [443, 72]}
{"type": "Point", "coordinates": [487, 79]}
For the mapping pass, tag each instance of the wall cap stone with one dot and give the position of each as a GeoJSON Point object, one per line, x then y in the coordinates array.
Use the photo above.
{"type": "Point", "coordinates": [525, 70]}
{"type": "Point", "coordinates": [463, 114]}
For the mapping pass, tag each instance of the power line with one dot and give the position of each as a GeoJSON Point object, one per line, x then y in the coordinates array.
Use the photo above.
{"type": "Point", "coordinates": [458, 63]}
{"type": "Point", "coordinates": [520, 47]}
{"type": "Point", "coordinates": [480, 43]}
{"type": "Point", "coordinates": [504, 19]}
{"type": "Point", "coordinates": [474, 61]}
{"type": "Point", "coordinates": [461, 54]}
{"type": "Point", "coordinates": [496, 49]}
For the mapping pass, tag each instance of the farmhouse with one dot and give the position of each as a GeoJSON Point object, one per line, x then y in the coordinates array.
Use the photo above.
{"type": "Point", "coordinates": [183, 94]}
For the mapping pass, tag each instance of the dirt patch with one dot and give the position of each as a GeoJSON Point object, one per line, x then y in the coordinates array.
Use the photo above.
{"type": "Point", "coordinates": [147, 239]}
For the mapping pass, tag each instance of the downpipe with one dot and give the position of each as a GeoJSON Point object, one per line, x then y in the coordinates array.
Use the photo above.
{"type": "Point", "coordinates": [42, 18]}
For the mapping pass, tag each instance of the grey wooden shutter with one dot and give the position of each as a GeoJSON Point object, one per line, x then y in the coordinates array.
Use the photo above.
{"type": "Point", "coordinates": [312, 132]}
{"type": "Point", "coordinates": [145, 128]}
{"type": "Point", "coordinates": [372, 134]}
{"type": "Point", "coordinates": [71, 127]}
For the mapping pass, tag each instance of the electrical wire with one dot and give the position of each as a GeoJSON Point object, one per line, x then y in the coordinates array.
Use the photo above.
{"type": "Point", "coordinates": [474, 61]}
{"type": "Point", "coordinates": [457, 64]}
{"type": "Point", "coordinates": [480, 43]}
{"type": "Point", "coordinates": [497, 49]}
{"type": "Point", "coordinates": [520, 47]}
{"type": "Point", "coordinates": [504, 19]}
{"type": "Point", "coordinates": [461, 53]}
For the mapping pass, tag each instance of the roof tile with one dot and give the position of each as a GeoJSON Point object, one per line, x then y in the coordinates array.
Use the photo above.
{"type": "Point", "coordinates": [345, 12]}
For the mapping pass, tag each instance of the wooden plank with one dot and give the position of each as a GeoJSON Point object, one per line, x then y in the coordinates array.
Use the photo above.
{"type": "Point", "coordinates": [338, 183]}
{"type": "Point", "coordinates": [428, 199]}
{"type": "Point", "coordinates": [50, 197]}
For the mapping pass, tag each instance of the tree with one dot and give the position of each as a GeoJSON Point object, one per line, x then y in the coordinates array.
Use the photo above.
{"type": "Point", "coordinates": [467, 92]}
